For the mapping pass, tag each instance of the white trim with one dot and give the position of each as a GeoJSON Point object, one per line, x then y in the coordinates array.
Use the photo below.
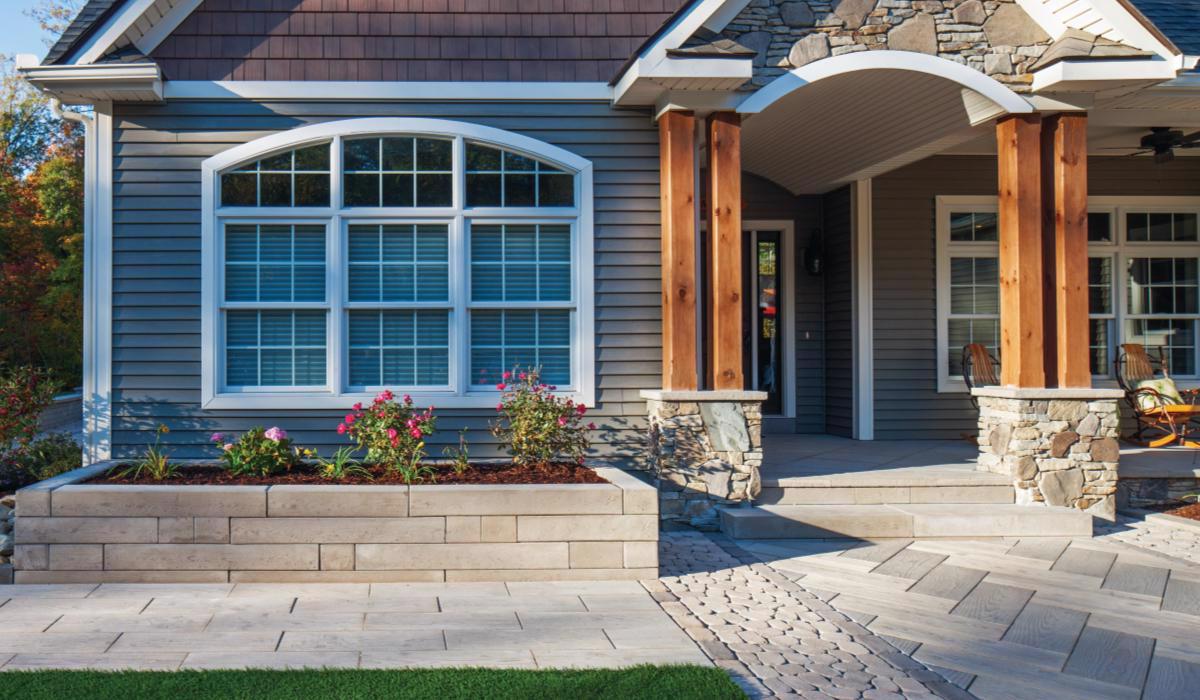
{"type": "Point", "coordinates": [1090, 75]}
{"type": "Point", "coordinates": [1118, 250]}
{"type": "Point", "coordinates": [786, 269]}
{"type": "Point", "coordinates": [864, 311]}
{"type": "Point", "coordinates": [158, 32]}
{"type": "Point", "coordinates": [1005, 99]}
{"type": "Point", "coordinates": [579, 217]}
{"type": "Point", "coordinates": [112, 31]}
{"type": "Point", "coordinates": [98, 289]}
{"type": "Point", "coordinates": [361, 90]}
{"type": "Point", "coordinates": [132, 82]}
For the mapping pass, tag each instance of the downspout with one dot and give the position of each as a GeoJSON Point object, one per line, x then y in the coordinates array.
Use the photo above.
{"type": "Point", "coordinates": [96, 408]}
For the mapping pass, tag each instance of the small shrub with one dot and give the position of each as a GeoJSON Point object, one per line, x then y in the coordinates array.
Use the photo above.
{"type": "Point", "coordinates": [24, 393]}
{"type": "Point", "coordinates": [539, 427]}
{"type": "Point", "coordinates": [43, 458]}
{"type": "Point", "coordinates": [155, 465]}
{"type": "Point", "coordinates": [342, 465]}
{"type": "Point", "coordinates": [257, 452]}
{"type": "Point", "coordinates": [392, 434]}
{"type": "Point", "coordinates": [459, 455]}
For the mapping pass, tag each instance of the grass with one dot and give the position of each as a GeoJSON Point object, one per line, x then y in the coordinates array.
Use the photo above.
{"type": "Point", "coordinates": [651, 682]}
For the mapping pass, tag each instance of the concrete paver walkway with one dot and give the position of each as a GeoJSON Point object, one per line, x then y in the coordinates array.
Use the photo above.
{"type": "Point", "coordinates": [1037, 617]}
{"type": "Point", "coordinates": [515, 625]}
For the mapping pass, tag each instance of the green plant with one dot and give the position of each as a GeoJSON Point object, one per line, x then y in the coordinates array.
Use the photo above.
{"type": "Point", "coordinates": [257, 452]}
{"type": "Point", "coordinates": [155, 465]}
{"type": "Point", "coordinates": [43, 458]}
{"type": "Point", "coordinates": [460, 454]}
{"type": "Point", "coordinates": [538, 426]}
{"type": "Point", "coordinates": [24, 393]}
{"type": "Point", "coordinates": [392, 434]}
{"type": "Point", "coordinates": [343, 464]}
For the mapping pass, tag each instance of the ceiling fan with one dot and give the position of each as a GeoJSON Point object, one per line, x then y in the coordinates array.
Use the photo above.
{"type": "Point", "coordinates": [1162, 142]}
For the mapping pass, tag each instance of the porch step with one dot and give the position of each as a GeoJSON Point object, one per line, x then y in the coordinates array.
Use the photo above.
{"type": "Point", "coordinates": [882, 485]}
{"type": "Point", "coordinates": [914, 520]}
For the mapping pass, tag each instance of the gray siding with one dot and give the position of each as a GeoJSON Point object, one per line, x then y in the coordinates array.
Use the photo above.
{"type": "Point", "coordinates": [907, 405]}
{"type": "Point", "coordinates": [156, 263]}
{"type": "Point", "coordinates": [839, 315]}
{"type": "Point", "coordinates": [764, 200]}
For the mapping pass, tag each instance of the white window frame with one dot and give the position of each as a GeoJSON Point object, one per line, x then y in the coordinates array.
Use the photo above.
{"type": "Point", "coordinates": [1119, 250]}
{"type": "Point", "coordinates": [460, 393]}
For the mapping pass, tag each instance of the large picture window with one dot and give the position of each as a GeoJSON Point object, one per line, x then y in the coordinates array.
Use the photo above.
{"type": "Point", "coordinates": [423, 256]}
{"type": "Point", "coordinates": [1143, 281]}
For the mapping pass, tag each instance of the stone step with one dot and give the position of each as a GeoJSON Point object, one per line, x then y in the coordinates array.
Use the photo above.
{"type": "Point", "coordinates": [914, 520]}
{"type": "Point", "coordinates": [873, 495]}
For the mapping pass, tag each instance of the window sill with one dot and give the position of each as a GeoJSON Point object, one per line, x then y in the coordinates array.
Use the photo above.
{"type": "Point", "coordinates": [309, 400]}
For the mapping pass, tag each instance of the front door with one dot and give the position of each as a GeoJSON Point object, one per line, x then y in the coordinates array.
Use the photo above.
{"type": "Point", "coordinates": [763, 331]}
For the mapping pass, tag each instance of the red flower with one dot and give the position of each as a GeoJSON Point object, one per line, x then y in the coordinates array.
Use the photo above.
{"type": "Point", "coordinates": [341, 429]}
{"type": "Point", "coordinates": [501, 386]}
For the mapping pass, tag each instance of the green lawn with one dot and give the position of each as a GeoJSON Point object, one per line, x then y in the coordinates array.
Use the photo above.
{"type": "Point", "coordinates": [651, 682]}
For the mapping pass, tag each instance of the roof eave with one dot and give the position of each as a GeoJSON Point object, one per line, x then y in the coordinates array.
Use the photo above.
{"type": "Point", "coordinates": [97, 83]}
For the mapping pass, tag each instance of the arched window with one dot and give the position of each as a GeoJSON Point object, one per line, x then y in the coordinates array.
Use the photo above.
{"type": "Point", "coordinates": [420, 255]}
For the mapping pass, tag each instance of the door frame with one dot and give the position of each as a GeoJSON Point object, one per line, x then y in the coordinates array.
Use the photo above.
{"type": "Point", "coordinates": [787, 305]}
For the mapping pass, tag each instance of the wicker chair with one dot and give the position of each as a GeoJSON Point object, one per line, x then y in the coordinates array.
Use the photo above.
{"type": "Point", "coordinates": [1160, 420]}
{"type": "Point", "coordinates": [980, 368]}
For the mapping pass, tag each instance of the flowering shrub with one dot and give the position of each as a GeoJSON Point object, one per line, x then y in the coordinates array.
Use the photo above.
{"type": "Point", "coordinates": [155, 465]}
{"type": "Point", "coordinates": [538, 426]}
{"type": "Point", "coordinates": [24, 393]}
{"type": "Point", "coordinates": [392, 433]}
{"type": "Point", "coordinates": [257, 452]}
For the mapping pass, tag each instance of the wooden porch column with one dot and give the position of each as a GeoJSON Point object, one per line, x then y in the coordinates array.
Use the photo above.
{"type": "Point", "coordinates": [677, 148]}
{"type": "Point", "coordinates": [725, 252]}
{"type": "Point", "coordinates": [1022, 331]}
{"type": "Point", "coordinates": [1064, 153]}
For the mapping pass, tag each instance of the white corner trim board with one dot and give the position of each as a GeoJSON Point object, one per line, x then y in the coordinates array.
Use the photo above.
{"type": "Point", "coordinates": [969, 78]}
{"type": "Point", "coordinates": [335, 394]}
{"type": "Point", "coordinates": [864, 312]}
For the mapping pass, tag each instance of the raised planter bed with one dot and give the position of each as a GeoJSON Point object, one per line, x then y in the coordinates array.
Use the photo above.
{"type": "Point", "coordinates": [70, 531]}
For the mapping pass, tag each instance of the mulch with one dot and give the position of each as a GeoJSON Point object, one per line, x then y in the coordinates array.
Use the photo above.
{"type": "Point", "coordinates": [503, 473]}
{"type": "Point", "coordinates": [1191, 511]}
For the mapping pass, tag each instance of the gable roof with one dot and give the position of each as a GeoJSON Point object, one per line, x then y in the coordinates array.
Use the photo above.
{"type": "Point", "coordinates": [1178, 20]}
{"type": "Point", "coordinates": [91, 17]}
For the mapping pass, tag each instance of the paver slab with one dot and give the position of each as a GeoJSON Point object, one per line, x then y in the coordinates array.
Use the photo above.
{"type": "Point", "coordinates": [1182, 596]}
{"type": "Point", "coordinates": [993, 602]}
{"type": "Point", "coordinates": [1111, 657]}
{"type": "Point", "coordinates": [1136, 578]}
{"type": "Point", "coordinates": [1047, 627]}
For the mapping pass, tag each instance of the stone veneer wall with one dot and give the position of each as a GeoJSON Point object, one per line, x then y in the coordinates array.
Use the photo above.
{"type": "Point", "coordinates": [67, 531]}
{"type": "Point", "coordinates": [705, 452]}
{"type": "Point", "coordinates": [1150, 491]}
{"type": "Point", "coordinates": [995, 37]}
{"type": "Point", "coordinates": [1059, 452]}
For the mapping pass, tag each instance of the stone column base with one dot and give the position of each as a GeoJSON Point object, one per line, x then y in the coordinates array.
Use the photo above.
{"type": "Point", "coordinates": [1058, 445]}
{"type": "Point", "coordinates": [705, 449]}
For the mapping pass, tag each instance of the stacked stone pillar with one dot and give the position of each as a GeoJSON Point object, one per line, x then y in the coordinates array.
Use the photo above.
{"type": "Point", "coordinates": [1059, 446]}
{"type": "Point", "coordinates": [705, 448]}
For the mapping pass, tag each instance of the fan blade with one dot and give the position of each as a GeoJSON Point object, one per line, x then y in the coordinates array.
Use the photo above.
{"type": "Point", "coordinates": [1190, 140]}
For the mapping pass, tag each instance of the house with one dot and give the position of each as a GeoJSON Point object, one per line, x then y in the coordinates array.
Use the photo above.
{"type": "Point", "coordinates": [780, 217]}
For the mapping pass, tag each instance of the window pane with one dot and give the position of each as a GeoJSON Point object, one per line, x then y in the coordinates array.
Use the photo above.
{"type": "Point", "coordinates": [239, 190]}
{"type": "Point", "coordinates": [275, 263]}
{"type": "Point", "coordinates": [281, 162]}
{"type": "Point", "coordinates": [1160, 227]}
{"type": "Point", "coordinates": [962, 332]}
{"type": "Point", "coordinates": [967, 227]}
{"type": "Point", "coordinates": [556, 190]}
{"type": "Point", "coordinates": [518, 191]}
{"type": "Point", "coordinates": [433, 154]}
{"type": "Point", "coordinates": [399, 348]}
{"type": "Point", "coordinates": [399, 263]}
{"type": "Point", "coordinates": [502, 178]}
{"type": "Point", "coordinates": [434, 190]}
{"type": "Point", "coordinates": [1162, 286]}
{"type": "Point", "coordinates": [275, 348]}
{"type": "Point", "coordinates": [397, 190]}
{"type": "Point", "coordinates": [1100, 285]}
{"type": "Point", "coordinates": [313, 158]}
{"type": "Point", "coordinates": [361, 190]}
{"type": "Point", "coordinates": [1098, 344]}
{"type": "Point", "coordinates": [360, 154]}
{"type": "Point", "coordinates": [1185, 227]}
{"type": "Point", "coordinates": [1177, 337]}
{"type": "Point", "coordinates": [483, 190]}
{"type": "Point", "coordinates": [503, 340]}
{"type": "Point", "coordinates": [521, 262]}
{"type": "Point", "coordinates": [483, 158]}
{"type": "Point", "coordinates": [272, 182]}
{"type": "Point", "coordinates": [398, 154]}
{"type": "Point", "coordinates": [312, 190]}
{"type": "Point", "coordinates": [1099, 227]}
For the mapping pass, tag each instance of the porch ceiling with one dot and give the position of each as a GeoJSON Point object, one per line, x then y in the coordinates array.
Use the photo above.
{"type": "Point", "coordinates": [857, 125]}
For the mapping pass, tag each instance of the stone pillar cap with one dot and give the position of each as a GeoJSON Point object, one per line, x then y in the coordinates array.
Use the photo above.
{"type": "Point", "coordinates": [1056, 394]}
{"type": "Point", "coordinates": [723, 395]}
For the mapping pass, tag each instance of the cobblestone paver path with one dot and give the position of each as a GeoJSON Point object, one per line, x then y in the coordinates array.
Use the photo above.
{"type": "Point", "coordinates": [1179, 541]}
{"type": "Point", "coordinates": [776, 638]}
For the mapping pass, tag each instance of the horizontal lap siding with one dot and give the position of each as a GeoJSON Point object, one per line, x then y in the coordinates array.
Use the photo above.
{"type": "Point", "coordinates": [156, 264]}
{"type": "Point", "coordinates": [907, 403]}
{"type": "Point", "coordinates": [839, 315]}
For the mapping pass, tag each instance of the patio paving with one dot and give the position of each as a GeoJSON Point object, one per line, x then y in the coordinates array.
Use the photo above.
{"type": "Point", "coordinates": [515, 625]}
{"type": "Point", "coordinates": [1039, 617]}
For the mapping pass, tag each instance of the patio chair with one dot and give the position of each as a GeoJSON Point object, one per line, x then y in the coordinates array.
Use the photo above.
{"type": "Point", "coordinates": [979, 368]}
{"type": "Point", "coordinates": [1163, 414]}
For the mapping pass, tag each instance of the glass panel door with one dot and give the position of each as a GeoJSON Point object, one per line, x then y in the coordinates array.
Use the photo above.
{"type": "Point", "coordinates": [764, 336]}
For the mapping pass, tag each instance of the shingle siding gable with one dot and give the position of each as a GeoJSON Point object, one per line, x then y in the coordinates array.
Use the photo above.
{"type": "Point", "coordinates": [410, 40]}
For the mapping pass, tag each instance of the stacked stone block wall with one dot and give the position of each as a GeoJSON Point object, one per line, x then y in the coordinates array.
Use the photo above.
{"type": "Point", "coordinates": [995, 37]}
{"type": "Point", "coordinates": [1058, 452]}
{"type": "Point", "coordinates": [67, 531]}
{"type": "Point", "coordinates": [705, 454]}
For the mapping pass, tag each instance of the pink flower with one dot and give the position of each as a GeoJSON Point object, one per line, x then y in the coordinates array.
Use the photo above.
{"type": "Point", "coordinates": [392, 433]}
{"type": "Point", "coordinates": [341, 429]}
{"type": "Point", "coordinates": [275, 434]}
{"type": "Point", "coordinates": [553, 388]}
{"type": "Point", "coordinates": [581, 409]}
{"type": "Point", "coordinates": [499, 407]}
{"type": "Point", "coordinates": [357, 406]}
{"type": "Point", "coordinates": [349, 419]}
{"type": "Point", "coordinates": [410, 423]}
{"type": "Point", "coordinates": [395, 442]}
{"type": "Point", "coordinates": [415, 433]}
{"type": "Point", "coordinates": [507, 375]}
{"type": "Point", "coordinates": [591, 426]}
{"type": "Point", "coordinates": [217, 437]}
{"type": "Point", "coordinates": [407, 398]}
{"type": "Point", "coordinates": [562, 421]}
{"type": "Point", "coordinates": [385, 395]}
{"type": "Point", "coordinates": [522, 376]}
{"type": "Point", "coordinates": [227, 447]}
{"type": "Point", "coordinates": [501, 386]}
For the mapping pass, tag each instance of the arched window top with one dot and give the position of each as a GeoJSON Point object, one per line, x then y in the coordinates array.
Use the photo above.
{"type": "Point", "coordinates": [401, 163]}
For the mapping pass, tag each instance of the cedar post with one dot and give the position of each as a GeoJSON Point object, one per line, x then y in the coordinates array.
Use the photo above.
{"type": "Point", "coordinates": [677, 147]}
{"type": "Point", "coordinates": [725, 253]}
{"type": "Point", "coordinates": [1022, 331]}
{"type": "Point", "coordinates": [1064, 143]}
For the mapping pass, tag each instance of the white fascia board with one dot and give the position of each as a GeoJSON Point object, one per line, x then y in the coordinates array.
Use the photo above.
{"type": "Point", "coordinates": [111, 32]}
{"type": "Point", "coordinates": [1092, 75]}
{"type": "Point", "coordinates": [88, 84]}
{"type": "Point", "coordinates": [421, 91]}
{"type": "Point", "coordinates": [701, 68]}
{"type": "Point", "coordinates": [163, 28]}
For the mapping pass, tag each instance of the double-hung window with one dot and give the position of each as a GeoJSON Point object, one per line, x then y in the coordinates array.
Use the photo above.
{"type": "Point", "coordinates": [1143, 282]}
{"type": "Point", "coordinates": [423, 256]}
